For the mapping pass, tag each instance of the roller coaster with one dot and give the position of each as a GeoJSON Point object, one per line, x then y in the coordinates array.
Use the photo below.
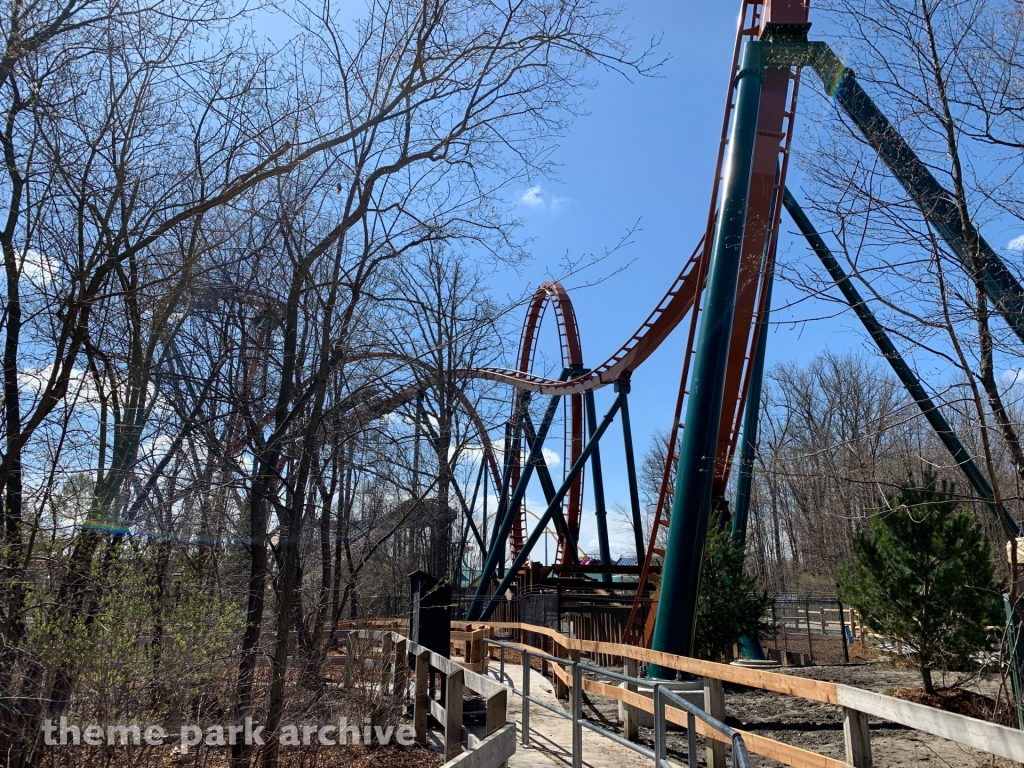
{"type": "Point", "coordinates": [722, 296]}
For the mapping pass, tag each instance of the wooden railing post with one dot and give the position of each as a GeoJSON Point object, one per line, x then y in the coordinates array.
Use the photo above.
{"type": "Point", "coordinates": [401, 666]}
{"type": "Point", "coordinates": [630, 721]}
{"type": "Point", "coordinates": [856, 738]}
{"type": "Point", "coordinates": [419, 717]}
{"type": "Point", "coordinates": [714, 705]}
{"type": "Point", "coordinates": [561, 689]}
{"type": "Point", "coordinates": [478, 650]}
{"type": "Point", "coordinates": [454, 689]}
{"type": "Point", "coordinates": [350, 658]}
{"type": "Point", "coordinates": [489, 634]}
{"type": "Point", "coordinates": [386, 673]}
{"type": "Point", "coordinates": [497, 715]}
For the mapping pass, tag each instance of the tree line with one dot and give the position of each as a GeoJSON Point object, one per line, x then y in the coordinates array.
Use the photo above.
{"type": "Point", "coordinates": [837, 438]}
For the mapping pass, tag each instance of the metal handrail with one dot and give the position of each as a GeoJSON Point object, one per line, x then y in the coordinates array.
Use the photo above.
{"type": "Point", "coordinates": [662, 694]}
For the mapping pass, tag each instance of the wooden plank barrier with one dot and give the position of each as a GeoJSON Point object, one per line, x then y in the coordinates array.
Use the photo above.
{"type": "Point", "coordinates": [857, 704]}
{"type": "Point", "coordinates": [389, 651]}
{"type": "Point", "coordinates": [987, 737]}
{"type": "Point", "coordinates": [815, 690]}
{"type": "Point", "coordinates": [493, 750]}
{"type": "Point", "coordinates": [483, 753]}
{"type": "Point", "coordinates": [776, 750]}
{"type": "Point", "coordinates": [469, 644]}
{"type": "Point", "coordinates": [466, 751]}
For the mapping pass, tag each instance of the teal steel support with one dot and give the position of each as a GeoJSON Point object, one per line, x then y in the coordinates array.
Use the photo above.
{"type": "Point", "coordinates": [750, 647]}
{"type": "Point", "coordinates": [938, 206]}
{"type": "Point", "coordinates": [1015, 645]}
{"type": "Point", "coordinates": [934, 201]}
{"type": "Point", "coordinates": [483, 520]}
{"type": "Point", "coordinates": [691, 503]}
{"type": "Point", "coordinates": [751, 412]}
{"type": "Point", "coordinates": [491, 564]}
{"type": "Point", "coordinates": [752, 407]}
{"type": "Point", "coordinates": [622, 386]}
{"type": "Point", "coordinates": [548, 486]}
{"type": "Point", "coordinates": [899, 366]}
{"type": "Point", "coordinates": [467, 509]}
{"type": "Point", "coordinates": [600, 511]}
{"type": "Point", "coordinates": [512, 437]}
{"type": "Point", "coordinates": [473, 614]}
{"type": "Point", "coordinates": [470, 523]}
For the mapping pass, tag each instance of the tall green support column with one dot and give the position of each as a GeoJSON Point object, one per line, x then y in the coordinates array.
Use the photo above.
{"type": "Point", "coordinates": [691, 504]}
{"type": "Point", "coordinates": [752, 408]}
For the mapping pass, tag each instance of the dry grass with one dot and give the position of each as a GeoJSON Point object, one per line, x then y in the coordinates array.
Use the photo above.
{"type": "Point", "coordinates": [961, 702]}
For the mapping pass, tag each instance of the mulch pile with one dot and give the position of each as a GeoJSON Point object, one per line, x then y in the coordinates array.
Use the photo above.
{"type": "Point", "coordinates": [961, 702]}
{"type": "Point", "coordinates": [387, 757]}
{"type": "Point", "coordinates": [360, 757]}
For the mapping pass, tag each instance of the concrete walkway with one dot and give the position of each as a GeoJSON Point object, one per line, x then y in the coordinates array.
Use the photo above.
{"type": "Point", "coordinates": [551, 735]}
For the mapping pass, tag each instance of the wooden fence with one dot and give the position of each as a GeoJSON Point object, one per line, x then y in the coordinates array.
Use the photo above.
{"type": "Point", "coordinates": [391, 653]}
{"type": "Point", "coordinates": [857, 704]}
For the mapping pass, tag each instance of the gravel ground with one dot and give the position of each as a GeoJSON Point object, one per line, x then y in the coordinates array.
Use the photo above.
{"type": "Point", "coordinates": [819, 727]}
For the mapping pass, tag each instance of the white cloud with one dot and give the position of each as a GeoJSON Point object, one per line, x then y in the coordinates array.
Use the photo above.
{"type": "Point", "coordinates": [81, 389]}
{"type": "Point", "coordinates": [1017, 244]}
{"type": "Point", "coordinates": [469, 454]}
{"type": "Point", "coordinates": [472, 454]}
{"type": "Point", "coordinates": [551, 458]}
{"type": "Point", "coordinates": [1011, 377]}
{"type": "Point", "coordinates": [533, 197]}
{"type": "Point", "coordinates": [38, 270]}
{"type": "Point", "coordinates": [537, 199]}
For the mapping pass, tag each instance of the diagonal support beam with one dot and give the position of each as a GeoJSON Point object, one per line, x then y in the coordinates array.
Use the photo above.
{"type": "Point", "coordinates": [506, 477]}
{"type": "Point", "coordinates": [600, 511]}
{"type": "Point", "coordinates": [548, 486]}
{"type": "Point", "coordinates": [497, 551]}
{"type": "Point", "coordinates": [937, 205]}
{"type": "Point", "coordinates": [467, 510]}
{"type": "Point", "coordinates": [623, 387]}
{"type": "Point", "coordinates": [474, 613]}
{"type": "Point", "coordinates": [899, 366]}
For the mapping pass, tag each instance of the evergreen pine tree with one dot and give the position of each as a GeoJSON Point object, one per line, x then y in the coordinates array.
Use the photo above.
{"type": "Point", "coordinates": [728, 604]}
{"type": "Point", "coordinates": [925, 577]}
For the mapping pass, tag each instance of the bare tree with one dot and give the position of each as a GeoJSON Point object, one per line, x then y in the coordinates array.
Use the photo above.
{"type": "Point", "coordinates": [947, 75]}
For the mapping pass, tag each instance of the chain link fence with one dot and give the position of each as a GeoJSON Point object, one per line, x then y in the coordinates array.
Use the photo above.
{"type": "Point", "coordinates": [808, 631]}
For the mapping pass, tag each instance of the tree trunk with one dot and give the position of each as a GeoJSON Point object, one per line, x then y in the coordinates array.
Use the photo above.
{"type": "Point", "coordinates": [926, 678]}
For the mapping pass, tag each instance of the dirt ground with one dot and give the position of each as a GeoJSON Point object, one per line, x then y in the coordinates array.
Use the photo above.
{"type": "Point", "coordinates": [819, 727]}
